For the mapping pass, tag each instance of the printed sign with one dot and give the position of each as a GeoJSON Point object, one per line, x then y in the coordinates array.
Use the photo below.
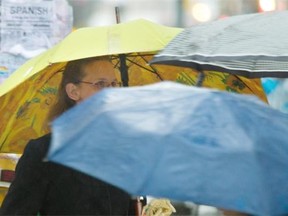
{"type": "Point", "coordinates": [26, 26]}
{"type": "Point", "coordinates": [30, 27]}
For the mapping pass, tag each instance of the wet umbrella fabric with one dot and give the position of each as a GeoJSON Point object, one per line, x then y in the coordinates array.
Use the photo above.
{"type": "Point", "coordinates": [185, 143]}
{"type": "Point", "coordinates": [250, 45]}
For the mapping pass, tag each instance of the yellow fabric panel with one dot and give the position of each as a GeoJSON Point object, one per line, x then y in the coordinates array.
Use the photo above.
{"type": "Point", "coordinates": [24, 110]}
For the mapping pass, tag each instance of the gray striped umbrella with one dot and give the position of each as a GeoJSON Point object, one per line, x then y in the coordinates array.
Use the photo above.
{"type": "Point", "coordinates": [250, 45]}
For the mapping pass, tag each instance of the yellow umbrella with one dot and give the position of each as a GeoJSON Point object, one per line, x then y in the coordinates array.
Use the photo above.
{"type": "Point", "coordinates": [27, 95]}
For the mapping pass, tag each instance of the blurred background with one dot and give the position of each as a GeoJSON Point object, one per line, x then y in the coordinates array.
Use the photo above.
{"type": "Point", "coordinates": [180, 13]}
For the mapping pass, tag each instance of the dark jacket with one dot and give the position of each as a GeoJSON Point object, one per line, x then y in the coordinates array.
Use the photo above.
{"type": "Point", "coordinates": [51, 189]}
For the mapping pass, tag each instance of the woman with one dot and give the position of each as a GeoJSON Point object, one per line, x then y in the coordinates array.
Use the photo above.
{"type": "Point", "coordinates": [48, 188]}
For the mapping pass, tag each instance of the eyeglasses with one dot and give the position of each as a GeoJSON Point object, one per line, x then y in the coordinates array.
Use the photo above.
{"type": "Point", "coordinates": [103, 84]}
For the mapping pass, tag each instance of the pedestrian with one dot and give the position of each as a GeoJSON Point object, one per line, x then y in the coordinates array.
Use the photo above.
{"type": "Point", "coordinates": [47, 188]}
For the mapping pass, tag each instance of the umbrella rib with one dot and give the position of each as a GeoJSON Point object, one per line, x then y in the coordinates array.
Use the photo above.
{"type": "Point", "coordinates": [154, 71]}
{"type": "Point", "coordinates": [56, 72]}
{"type": "Point", "coordinates": [244, 83]}
{"type": "Point", "coordinates": [1, 145]}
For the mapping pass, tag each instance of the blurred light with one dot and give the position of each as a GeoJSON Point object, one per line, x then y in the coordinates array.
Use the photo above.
{"type": "Point", "coordinates": [267, 5]}
{"type": "Point", "coordinates": [201, 12]}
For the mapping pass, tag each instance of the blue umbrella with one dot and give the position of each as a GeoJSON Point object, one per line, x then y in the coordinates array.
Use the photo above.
{"type": "Point", "coordinates": [180, 142]}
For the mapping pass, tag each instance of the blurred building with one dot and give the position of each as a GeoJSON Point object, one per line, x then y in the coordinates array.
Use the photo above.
{"type": "Point", "coordinates": [102, 12]}
{"type": "Point", "coordinates": [181, 13]}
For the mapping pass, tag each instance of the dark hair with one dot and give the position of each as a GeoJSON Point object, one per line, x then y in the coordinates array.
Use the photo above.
{"type": "Point", "coordinates": [73, 73]}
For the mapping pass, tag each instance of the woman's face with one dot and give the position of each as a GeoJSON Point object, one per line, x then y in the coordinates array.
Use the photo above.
{"type": "Point", "coordinates": [97, 75]}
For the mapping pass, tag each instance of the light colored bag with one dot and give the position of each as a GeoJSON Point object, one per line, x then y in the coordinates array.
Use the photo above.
{"type": "Point", "coordinates": [158, 207]}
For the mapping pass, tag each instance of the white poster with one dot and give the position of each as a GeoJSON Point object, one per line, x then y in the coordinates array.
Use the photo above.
{"type": "Point", "coordinates": [29, 27]}
{"type": "Point", "coordinates": [26, 26]}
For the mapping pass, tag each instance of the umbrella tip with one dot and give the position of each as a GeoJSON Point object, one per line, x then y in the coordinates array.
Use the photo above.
{"type": "Point", "coordinates": [117, 13]}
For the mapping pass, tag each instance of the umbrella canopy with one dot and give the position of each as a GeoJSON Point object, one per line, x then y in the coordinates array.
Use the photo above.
{"type": "Point", "coordinates": [185, 143]}
{"type": "Point", "coordinates": [250, 45]}
{"type": "Point", "coordinates": [28, 94]}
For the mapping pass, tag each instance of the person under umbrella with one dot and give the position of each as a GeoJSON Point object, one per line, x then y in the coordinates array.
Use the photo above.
{"type": "Point", "coordinates": [51, 189]}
